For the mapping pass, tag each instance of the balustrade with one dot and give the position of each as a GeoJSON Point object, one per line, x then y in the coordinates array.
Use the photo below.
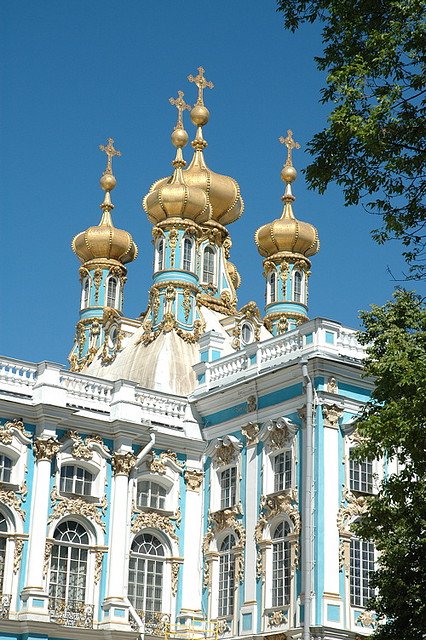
{"type": "Point", "coordinates": [71, 614]}
{"type": "Point", "coordinates": [18, 373]}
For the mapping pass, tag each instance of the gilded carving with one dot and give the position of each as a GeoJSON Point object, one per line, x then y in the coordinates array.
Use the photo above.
{"type": "Point", "coordinates": [62, 506]}
{"type": "Point", "coordinates": [45, 448]}
{"type": "Point", "coordinates": [97, 279]}
{"type": "Point", "coordinates": [123, 463]}
{"type": "Point", "coordinates": [331, 414]}
{"type": "Point", "coordinates": [283, 274]}
{"type": "Point", "coordinates": [354, 507]}
{"type": "Point", "coordinates": [47, 551]}
{"type": "Point", "coordinates": [17, 554]}
{"type": "Point", "coordinates": [219, 521]}
{"type": "Point", "coordinates": [251, 431]}
{"type": "Point", "coordinates": [186, 304]}
{"type": "Point", "coordinates": [80, 450]}
{"type": "Point", "coordinates": [281, 433]}
{"type": "Point", "coordinates": [7, 429]}
{"type": "Point", "coordinates": [175, 577]}
{"type": "Point", "coordinates": [193, 479]}
{"type": "Point", "coordinates": [157, 464]}
{"type": "Point", "coordinates": [277, 618]}
{"type": "Point", "coordinates": [222, 626]}
{"type": "Point", "coordinates": [332, 385]}
{"type": "Point", "coordinates": [155, 303]}
{"type": "Point", "coordinates": [155, 521]}
{"type": "Point", "coordinates": [251, 404]}
{"type": "Point", "coordinates": [366, 619]}
{"type": "Point", "coordinates": [99, 555]}
{"type": "Point", "coordinates": [172, 242]}
{"type": "Point", "coordinates": [224, 453]}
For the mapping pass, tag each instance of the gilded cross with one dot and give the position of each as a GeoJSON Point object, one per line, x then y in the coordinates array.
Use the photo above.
{"type": "Point", "coordinates": [180, 105]}
{"type": "Point", "coordinates": [201, 83]}
{"type": "Point", "coordinates": [111, 152]}
{"type": "Point", "coordinates": [290, 144]}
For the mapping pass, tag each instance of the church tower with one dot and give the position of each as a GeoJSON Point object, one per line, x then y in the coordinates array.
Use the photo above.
{"type": "Point", "coordinates": [287, 244]}
{"type": "Point", "coordinates": [103, 251]}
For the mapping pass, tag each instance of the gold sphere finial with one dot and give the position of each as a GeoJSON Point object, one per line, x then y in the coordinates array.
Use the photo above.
{"type": "Point", "coordinates": [108, 180]}
{"type": "Point", "coordinates": [180, 105]}
{"type": "Point", "coordinates": [201, 83]}
{"type": "Point", "coordinates": [290, 143]}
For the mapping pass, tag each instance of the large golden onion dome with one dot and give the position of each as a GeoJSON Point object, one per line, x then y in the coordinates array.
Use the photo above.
{"type": "Point", "coordinates": [104, 241]}
{"type": "Point", "coordinates": [287, 234]}
{"type": "Point", "coordinates": [173, 197]}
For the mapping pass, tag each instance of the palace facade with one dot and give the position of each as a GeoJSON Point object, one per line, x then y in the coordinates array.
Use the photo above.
{"type": "Point", "coordinates": [189, 475]}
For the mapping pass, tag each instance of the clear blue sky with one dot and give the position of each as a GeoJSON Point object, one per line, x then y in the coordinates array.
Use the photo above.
{"type": "Point", "coordinates": [74, 73]}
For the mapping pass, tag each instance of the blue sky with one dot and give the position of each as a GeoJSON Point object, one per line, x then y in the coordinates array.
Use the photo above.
{"type": "Point", "coordinates": [75, 73]}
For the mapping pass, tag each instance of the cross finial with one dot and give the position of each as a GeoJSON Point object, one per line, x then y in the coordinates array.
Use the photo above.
{"type": "Point", "coordinates": [180, 105]}
{"type": "Point", "coordinates": [201, 83]}
{"type": "Point", "coordinates": [290, 144]}
{"type": "Point", "coordinates": [111, 152]}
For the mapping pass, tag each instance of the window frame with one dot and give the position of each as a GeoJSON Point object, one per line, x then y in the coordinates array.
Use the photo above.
{"type": "Point", "coordinates": [272, 287]}
{"type": "Point", "coordinates": [288, 458]}
{"type": "Point", "coordinates": [75, 479]}
{"type": "Point", "coordinates": [356, 471]}
{"type": "Point", "coordinates": [211, 275]}
{"type": "Point", "coordinates": [159, 255]}
{"type": "Point", "coordinates": [151, 482]}
{"type": "Point", "coordinates": [281, 566]}
{"type": "Point", "coordinates": [116, 292]}
{"type": "Point", "coordinates": [298, 292]}
{"type": "Point", "coordinates": [3, 458]}
{"type": "Point", "coordinates": [228, 496]}
{"type": "Point", "coordinates": [145, 559]}
{"type": "Point", "coordinates": [359, 590]}
{"type": "Point", "coordinates": [187, 265]}
{"type": "Point", "coordinates": [85, 293]}
{"type": "Point", "coordinates": [227, 583]}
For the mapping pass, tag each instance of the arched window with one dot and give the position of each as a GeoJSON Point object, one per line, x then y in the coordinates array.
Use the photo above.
{"type": "Point", "coordinates": [112, 292]}
{"type": "Point", "coordinates": [3, 542]}
{"type": "Point", "coordinates": [151, 494]}
{"type": "Point", "coordinates": [5, 468]}
{"type": "Point", "coordinates": [160, 255]}
{"type": "Point", "coordinates": [146, 574]}
{"type": "Point", "coordinates": [361, 568]}
{"type": "Point", "coordinates": [75, 480]}
{"type": "Point", "coordinates": [297, 287]}
{"type": "Point", "coordinates": [272, 286]}
{"type": "Point", "coordinates": [68, 567]}
{"type": "Point", "coordinates": [281, 565]}
{"type": "Point", "coordinates": [226, 577]}
{"type": "Point", "coordinates": [247, 333]}
{"type": "Point", "coordinates": [208, 265]}
{"type": "Point", "coordinates": [187, 255]}
{"type": "Point", "coordinates": [85, 293]}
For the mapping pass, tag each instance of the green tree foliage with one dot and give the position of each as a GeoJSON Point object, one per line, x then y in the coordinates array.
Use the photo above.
{"type": "Point", "coordinates": [393, 425]}
{"type": "Point", "coordinates": [374, 146]}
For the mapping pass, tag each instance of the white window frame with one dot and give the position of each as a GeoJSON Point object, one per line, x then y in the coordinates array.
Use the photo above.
{"type": "Point", "coordinates": [78, 471]}
{"type": "Point", "coordinates": [116, 297]}
{"type": "Point", "coordinates": [281, 568]}
{"type": "Point", "coordinates": [299, 296]}
{"type": "Point", "coordinates": [362, 561]}
{"type": "Point", "coordinates": [159, 255]}
{"type": "Point", "coordinates": [230, 473]}
{"type": "Point", "coordinates": [161, 499]}
{"type": "Point", "coordinates": [166, 578]}
{"type": "Point", "coordinates": [272, 287]}
{"type": "Point", "coordinates": [6, 468]}
{"type": "Point", "coordinates": [187, 265]}
{"type": "Point", "coordinates": [227, 583]}
{"type": "Point", "coordinates": [211, 275]}
{"type": "Point", "coordinates": [85, 293]}
{"type": "Point", "coordinates": [361, 477]}
{"type": "Point", "coordinates": [288, 455]}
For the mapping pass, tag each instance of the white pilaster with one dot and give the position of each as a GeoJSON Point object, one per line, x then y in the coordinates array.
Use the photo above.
{"type": "Point", "coordinates": [191, 583]}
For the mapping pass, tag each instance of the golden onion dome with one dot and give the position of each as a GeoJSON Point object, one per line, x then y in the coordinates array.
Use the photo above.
{"type": "Point", "coordinates": [223, 192]}
{"type": "Point", "coordinates": [104, 241]}
{"type": "Point", "coordinates": [287, 234]}
{"type": "Point", "coordinates": [173, 197]}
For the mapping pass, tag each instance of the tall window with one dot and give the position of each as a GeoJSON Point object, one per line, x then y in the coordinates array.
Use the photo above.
{"type": "Point", "coordinates": [272, 286]}
{"type": "Point", "coordinates": [208, 265]}
{"type": "Point", "coordinates": [151, 494]}
{"type": "Point", "coordinates": [75, 480]}
{"type": "Point", "coordinates": [282, 471]}
{"type": "Point", "coordinates": [68, 566]}
{"type": "Point", "coordinates": [361, 475]}
{"type": "Point", "coordinates": [3, 541]}
{"type": "Point", "coordinates": [5, 468]}
{"type": "Point", "coordinates": [85, 294]}
{"type": "Point", "coordinates": [281, 565]}
{"type": "Point", "coordinates": [146, 571]}
{"type": "Point", "coordinates": [228, 487]}
{"type": "Point", "coordinates": [226, 577]}
{"type": "Point", "coordinates": [361, 568]}
{"type": "Point", "coordinates": [112, 292]}
{"type": "Point", "coordinates": [297, 287]}
{"type": "Point", "coordinates": [160, 255]}
{"type": "Point", "coordinates": [187, 255]}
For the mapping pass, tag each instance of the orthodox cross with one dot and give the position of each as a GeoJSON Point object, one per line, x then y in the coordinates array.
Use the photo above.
{"type": "Point", "coordinates": [201, 83]}
{"type": "Point", "coordinates": [290, 144]}
{"type": "Point", "coordinates": [180, 105]}
{"type": "Point", "coordinates": [111, 152]}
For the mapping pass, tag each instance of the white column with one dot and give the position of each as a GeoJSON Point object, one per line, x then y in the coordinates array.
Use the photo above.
{"type": "Point", "coordinates": [248, 619]}
{"type": "Point", "coordinates": [35, 600]}
{"type": "Point", "coordinates": [191, 583]}
{"type": "Point", "coordinates": [115, 606]}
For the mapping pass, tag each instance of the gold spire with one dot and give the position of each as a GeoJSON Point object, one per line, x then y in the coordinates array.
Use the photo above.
{"type": "Point", "coordinates": [179, 135]}
{"type": "Point", "coordinates": [201, 83]}
{"type": "Point", "coordinates": [105, 241]}
{"type": "Point", "coordinates": [287, 234]}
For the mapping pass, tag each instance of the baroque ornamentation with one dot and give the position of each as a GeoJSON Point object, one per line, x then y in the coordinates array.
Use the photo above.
{"type": "Point", "coordinates": [47, 551]}
{"type": "Point", "coordinates": [354, 507]}
{"type": "Point", "coordinates": [62, 506]}
{"type": "Point", "coordinates": [7, 429]}
{"type": "Point", "coordinates": [366, 619]}
{"type": "Point", "coordinates": [172, 242]}
{"type": "Point", "coordinates": [219, 521]}
{"type": "Point", "coordinates": [97, 279]}
{"type": "Point", "coordinates": [45, 448]}
{"type": "Point", "coordinates": [80, 450]}
{"type": "Point", "coordinates": [14, 499]}
{"type": "Point", "coordinates": [283, 277]}
{"type": "Point", "coordinates": [193, 479]}
{"type": "Point", "coordinates": [251, 431]}
{"type": "Point", "coordinates": [276, 618]}
{"type": "Point", "coordinates": [99, 556]}
{"type": "Point", "coordinates": [331, 386]}
{"type": "Point", "coordinates": [123, 463]}
{"type": "Point", "coordinates": [156, 521]}
{"type": "Point", "coordinates": [222, 626]}
{"type": "Point", "coordinates": [251, 404]}
{"type": "Point", "coordinates": [157, 464]}
{"type": "Point", "coordinates": [281, 433]}
{"type": "Point", "coordinates": [175, 576]}
{"type": "Point", "coordinates": [331, 414]}
{"type": "Point", "coordinates": [186, 303]}
{"type": "Point", "coordinates": [17, 554]}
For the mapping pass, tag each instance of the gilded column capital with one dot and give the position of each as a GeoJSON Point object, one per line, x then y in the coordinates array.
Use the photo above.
{"type": "Point", "coordinates": [331, 414]}
{"type": "Point", "coordinates": [123, 463]}
{"type": "Point", "coordinates": [251, 432]}
{"type": "Point", "coordinates": [193, 479]}
{"type": "Point", "coordinates": [45, 448]}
